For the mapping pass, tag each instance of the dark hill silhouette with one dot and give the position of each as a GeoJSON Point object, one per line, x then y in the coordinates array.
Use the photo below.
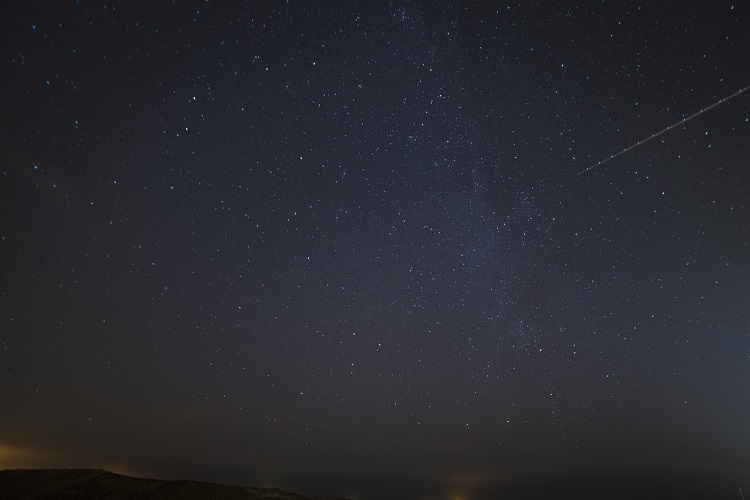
{"type": "Point", "coordinates": [88, 484]}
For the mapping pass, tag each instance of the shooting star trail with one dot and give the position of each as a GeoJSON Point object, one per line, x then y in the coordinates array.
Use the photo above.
{"type": "Point", "coordinates": [652, 136]}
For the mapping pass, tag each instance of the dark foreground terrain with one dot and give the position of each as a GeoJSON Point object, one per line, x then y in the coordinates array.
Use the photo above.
{"type": "Point", "coordinates": [84, 484]}
{"type": "Point", "coordinates": [720, 483]}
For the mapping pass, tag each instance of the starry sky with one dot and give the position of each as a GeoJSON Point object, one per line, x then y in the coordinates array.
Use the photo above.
{"type": "Point", "coordinates": [342, 247]}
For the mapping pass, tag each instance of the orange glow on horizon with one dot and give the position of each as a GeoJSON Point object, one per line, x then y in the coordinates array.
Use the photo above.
{"type": "Point", "coordinates": [25, 457]}
{"type": "Point", "coordinates": [19, 457]}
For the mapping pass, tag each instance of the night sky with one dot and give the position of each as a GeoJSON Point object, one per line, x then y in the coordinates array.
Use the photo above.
{"type": "Point", "coordinates": [342, 247]}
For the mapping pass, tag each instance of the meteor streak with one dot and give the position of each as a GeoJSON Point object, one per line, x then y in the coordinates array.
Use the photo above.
{"type": "Point", "coordinates": [684, 120]}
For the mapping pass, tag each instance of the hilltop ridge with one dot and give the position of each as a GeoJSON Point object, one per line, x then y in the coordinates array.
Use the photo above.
{"type": "Point", "coordinates": [87, 484]}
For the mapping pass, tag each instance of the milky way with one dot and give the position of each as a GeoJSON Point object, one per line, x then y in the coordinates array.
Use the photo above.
{"type": "Point", "coordinates": [341, 248]}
